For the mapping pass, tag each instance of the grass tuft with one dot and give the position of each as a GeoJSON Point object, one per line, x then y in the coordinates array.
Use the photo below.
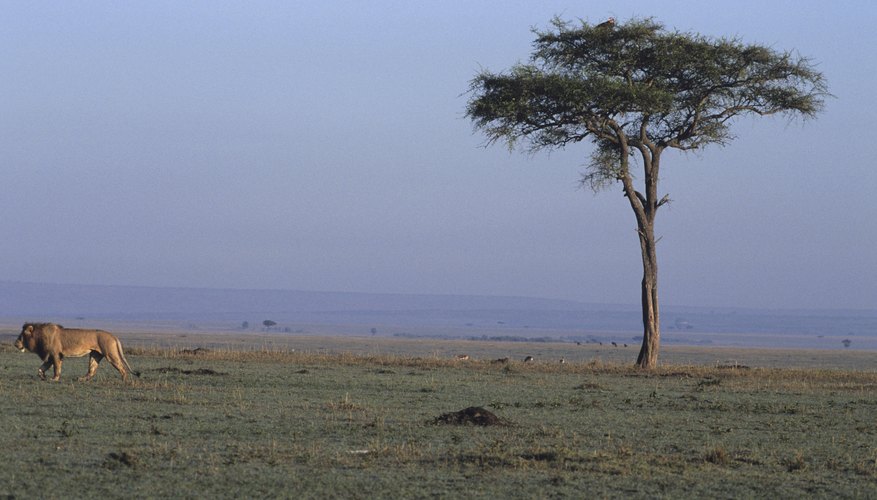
{"type": "Point", "coordinates": [796, 462]}
{"type": "Point", "coordinates": [717, 455]}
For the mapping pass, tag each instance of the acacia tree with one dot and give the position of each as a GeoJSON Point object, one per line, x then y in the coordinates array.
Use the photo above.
{"type": "Point", "coordinates": [635, 90]}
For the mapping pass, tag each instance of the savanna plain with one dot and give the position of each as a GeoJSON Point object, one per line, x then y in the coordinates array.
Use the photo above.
{"type": "Point", "coordinates": [321, 417]}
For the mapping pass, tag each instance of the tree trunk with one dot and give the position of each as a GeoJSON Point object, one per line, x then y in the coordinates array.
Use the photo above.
{"type": "Point", "coordinates": [645, 206]}
{"type": "Point", "coordinates": [648, 354]}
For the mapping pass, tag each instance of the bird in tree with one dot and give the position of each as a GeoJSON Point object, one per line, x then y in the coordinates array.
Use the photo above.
{"type": "Point", "coordinates": [607, 23]}
{"type": "Point", "coordinates": [634, 91]}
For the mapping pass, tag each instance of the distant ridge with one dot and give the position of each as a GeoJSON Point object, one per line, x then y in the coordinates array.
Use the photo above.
{"type": "Point", "coordinates": [455, 315]}
{"type": "Point", "coordinates": [103, 300]}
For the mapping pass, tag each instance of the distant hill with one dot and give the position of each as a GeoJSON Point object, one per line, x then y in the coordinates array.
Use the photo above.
{"type": "Point", "coordinates": [197, 304]}
{"type": "Point", "coordinates": [454, 315]}
{"type": "Point", "coordinates": [57, 299]}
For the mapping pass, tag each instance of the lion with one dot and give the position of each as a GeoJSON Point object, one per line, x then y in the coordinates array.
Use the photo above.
{"type": "Point", "coordinates": [52, 343]}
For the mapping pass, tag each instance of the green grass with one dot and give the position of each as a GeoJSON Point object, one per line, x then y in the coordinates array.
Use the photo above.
{"type": "Point", "coordinates": [268, 422]}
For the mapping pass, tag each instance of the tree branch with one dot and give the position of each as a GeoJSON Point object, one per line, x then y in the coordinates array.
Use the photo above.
{"type": "Point", "coordinates": [663, 201]}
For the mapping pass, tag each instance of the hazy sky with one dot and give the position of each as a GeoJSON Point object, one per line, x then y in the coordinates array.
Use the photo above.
{"type": "Point", "coordinates": [322, 146]}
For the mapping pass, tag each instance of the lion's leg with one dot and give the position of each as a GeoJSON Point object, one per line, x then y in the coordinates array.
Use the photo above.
{"type": "Point", "coordinates": [44, 367]}
{"type": "Point", "coordinates": [56, 362]}
{"type": "Point", "coordinates": [118, 365]}
{"type": "Point", "coordinates": [93, 360]}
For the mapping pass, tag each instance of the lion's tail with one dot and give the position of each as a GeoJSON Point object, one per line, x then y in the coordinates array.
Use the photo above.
{"type": "Point", "coordinates": [125, 360]}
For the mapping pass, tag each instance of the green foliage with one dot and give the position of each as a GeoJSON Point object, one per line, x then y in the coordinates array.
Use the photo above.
{"type": "Point", "coordinates": [228, 423]}
{"type": "Point", "coordinates": [637, 85]}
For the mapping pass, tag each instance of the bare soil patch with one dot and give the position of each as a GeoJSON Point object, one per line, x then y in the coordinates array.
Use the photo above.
{"type": "Point", "coordinates": [474, 415]}
{"type": "Point", "coordinates": [199, 371]}
{"type": "Point", "coordinates": [117, 460]}
{"type": "Point", "coordinates": [196, 351]}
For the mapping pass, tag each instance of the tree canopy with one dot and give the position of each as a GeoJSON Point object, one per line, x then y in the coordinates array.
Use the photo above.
{"type": "Point", "coordinates": [639, 84]}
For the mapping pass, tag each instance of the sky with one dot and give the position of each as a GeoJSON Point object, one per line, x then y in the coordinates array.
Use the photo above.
{"type": "Point", "coordinates": [323, 146]}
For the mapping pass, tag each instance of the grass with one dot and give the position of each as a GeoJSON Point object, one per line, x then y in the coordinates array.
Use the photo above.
{"type": "Point", "coordinates": [273, 422]}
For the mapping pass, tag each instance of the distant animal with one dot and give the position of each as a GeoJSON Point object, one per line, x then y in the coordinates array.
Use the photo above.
{"type": "Point", "coordinates": [562, 361]}
{"type": "Point", "coordinates": [614, 344]}
{"type": "Point", "coordinates": [52, 343]}
{"type": "Point", "coordinates": [462, 357]}
{"type": "Point", "coordinates": [609, 23]}
{"type": "Point", "coordinates": [528, 359]}
{"type": "Point", "coordinates": [500, 360]}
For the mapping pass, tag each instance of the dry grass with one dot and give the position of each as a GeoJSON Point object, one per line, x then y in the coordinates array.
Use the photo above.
{"type": "Point", "coordinates": [328, 418]}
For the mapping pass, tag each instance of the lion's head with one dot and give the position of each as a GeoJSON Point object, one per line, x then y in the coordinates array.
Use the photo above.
{"type": "Point", "coordinates": [25, 338]}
